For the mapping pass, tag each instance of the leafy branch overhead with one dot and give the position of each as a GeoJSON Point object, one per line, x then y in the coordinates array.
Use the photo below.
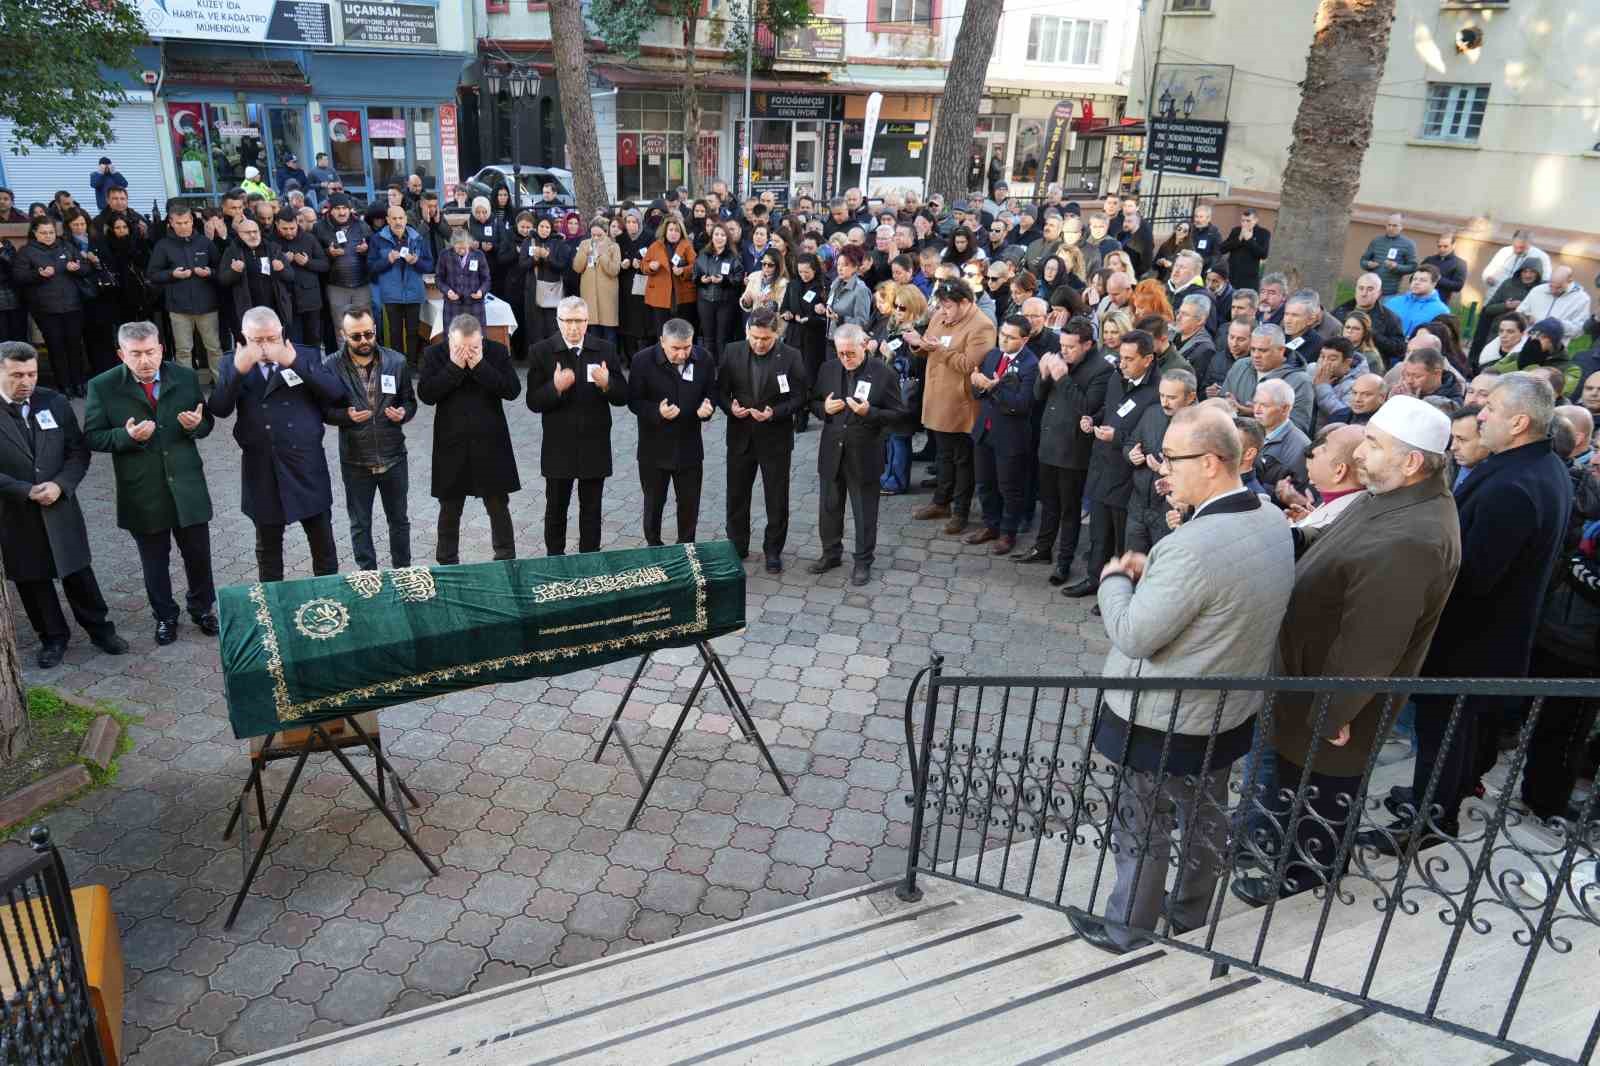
{"type": "Point", "coordinates": [53, 81]}
{"type": "Point", "coordinates": [621, 23]}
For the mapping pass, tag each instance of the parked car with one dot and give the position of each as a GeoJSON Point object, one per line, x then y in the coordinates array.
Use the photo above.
{"type": "Point", "coordinates": [533, 178]}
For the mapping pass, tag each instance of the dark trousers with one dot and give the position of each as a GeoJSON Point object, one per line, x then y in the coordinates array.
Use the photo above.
{"type": "Point", "coordinates": [14, 325]}
{"type": "Point", "coordinates": [360, 485]}
{"type": "Point", "coordinates": [955, 473]}
{"type": "Point", "coordinates": [1108, 536]}
{"type": "Point", "coordinates": [719, 324]}
{"type": "Point", "coordinates": [1556, 751]}
{"type": "Point", "coordinates": [558, 498]}
{"type": "Point", "coordinates": [1061, 511]}
{"type": "Point", "coordinates": [685, 482]}
{"type": "Point", "coordinates": [63, 336]}
{"type": "Point", "coordinates": [1146, 527]}
{"type": "Point", "coordinates": [83, 596]}
{"type": "Point", "coordinates": [155, 558]}
{"type": "Point", "coordinates": [306, 328]}
{"type": "Point", "coordinates": [502, 538]}
{"type": "Point", "coordinates": [1455, 762]}
{"type": "Point", "coordinates": [1321, 827]}
{"type": "Point", "coordinates": [774, 471]}
{"type": "Point", "coordinates": [863, 498]}
{"type": "Point", "coordinates": [319, 533]}
{"type": "Point", "coordinates": [1002, 483]}
{"type": "Point", "coordinates": [401, 323]}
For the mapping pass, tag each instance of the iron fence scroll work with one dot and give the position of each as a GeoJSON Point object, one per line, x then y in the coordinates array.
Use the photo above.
{"type": "Point", "coordinates": [1365, 895]}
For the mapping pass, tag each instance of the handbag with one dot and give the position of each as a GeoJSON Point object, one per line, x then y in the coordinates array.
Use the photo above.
{"type": "Point", "coordinates": [548, 293]}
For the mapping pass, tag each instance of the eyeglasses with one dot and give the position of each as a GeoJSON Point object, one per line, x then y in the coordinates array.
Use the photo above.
{"type": "Point", "coordinates": [362, 335]}
{"type": "Point", "coordinates": [1170, 459]}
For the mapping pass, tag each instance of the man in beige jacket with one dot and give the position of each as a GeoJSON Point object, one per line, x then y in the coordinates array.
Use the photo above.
{"type": "Point", "coordinates": [957, 338]}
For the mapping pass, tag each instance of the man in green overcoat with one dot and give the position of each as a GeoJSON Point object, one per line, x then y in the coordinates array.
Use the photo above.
{"type": "Point", "coordinates": [148, 415]}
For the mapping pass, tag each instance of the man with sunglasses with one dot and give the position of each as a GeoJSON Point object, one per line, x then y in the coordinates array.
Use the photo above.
{"type": "Point", "coordinates": [372, 438]}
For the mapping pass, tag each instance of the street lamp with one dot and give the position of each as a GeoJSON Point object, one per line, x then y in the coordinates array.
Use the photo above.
{"type": "Point", "coordinates": [1188, 105]}
{"type": "Point", "coordinates": [1167, 104]}
{"type": "Point", "coordinates": [520, 84]}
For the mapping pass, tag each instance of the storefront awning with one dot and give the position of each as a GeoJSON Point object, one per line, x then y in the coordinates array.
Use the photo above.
{"type": "Point", "coordinates": [1064, 90]}
{"type": "Point", "coordinates": [386, 77]}
{"type": "Point", "coordinates": [250, 75]}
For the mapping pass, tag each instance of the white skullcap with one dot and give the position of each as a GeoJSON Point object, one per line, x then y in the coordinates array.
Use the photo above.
{"type": "Point", "coordinates": [1414, 422]}
{"type": "Point", "coordinates": [251, 173]}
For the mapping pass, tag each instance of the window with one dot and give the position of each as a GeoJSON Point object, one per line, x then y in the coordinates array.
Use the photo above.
{"type": "Point", "coordinates": [1075, 42]}
{"type": "Point", "coordinates": [1029, 150]}
{"type": "Point", "coordinates": [1191, 5]}
{"type": "Point", "coordinates": [1454, 112]}
{"type": "Point", "coordinates": [919, 11]}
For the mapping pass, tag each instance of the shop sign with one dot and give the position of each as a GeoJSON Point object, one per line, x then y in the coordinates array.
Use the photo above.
{"type": "Point", "coordinates": [779, 189]}
{"type": "Point", "coordinates": [396, 24]}
{"type": "Point", "coordinates": [793, 106]}
{"type": "Point", "coordinates": [449, 162]}
{"type": "Point", "coordinates": [830, 159]}
{"type": "Point", "coordinates": [239, 21]}
{"type": "Point", "coordinates": [1187, 146]}
{"type": "Point", "coordinates": [819, 41]}
{"type": "Point", "coordinates": [388, 129]}
{"type": "Point", "coordinates": [1055, 136]}
{"type": "Point", "coordinates": [654, 144]}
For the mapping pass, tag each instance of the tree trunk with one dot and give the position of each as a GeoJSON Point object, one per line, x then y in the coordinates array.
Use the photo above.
{"type": "Point", "coordinates": [14, 733]}
{"type": "Point", "coordinates": [570, 36]}
{"type": "Point", "coordinates": [1331, 132]}
{"type": "Point", "coordinates": [693, 179]}
{"type": "Point", "coordinates": [963, 87]}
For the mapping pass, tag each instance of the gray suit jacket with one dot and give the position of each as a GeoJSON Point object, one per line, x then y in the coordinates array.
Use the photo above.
{"type": "Point", "coordinates": [1210, 604]}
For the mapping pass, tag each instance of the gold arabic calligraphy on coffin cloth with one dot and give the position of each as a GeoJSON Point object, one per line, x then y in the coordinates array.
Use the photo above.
{"type": "Point", "coordinates": [300, 651]}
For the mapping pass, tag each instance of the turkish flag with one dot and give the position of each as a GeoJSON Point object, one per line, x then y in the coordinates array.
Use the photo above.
{"type": "Point", "coordinates": [628, 149]}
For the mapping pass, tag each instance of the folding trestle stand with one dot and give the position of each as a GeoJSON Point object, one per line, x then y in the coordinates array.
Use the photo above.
{"type": "Point", "coordinates": [710, 666]}
{"type": "Point", "coordinates": [347, 732]}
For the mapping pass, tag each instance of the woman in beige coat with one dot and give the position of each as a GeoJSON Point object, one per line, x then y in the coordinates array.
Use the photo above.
{"type": "Point", "coordinates": [954, 344]}
{"type": "Point", "coordinates": [598, 262]}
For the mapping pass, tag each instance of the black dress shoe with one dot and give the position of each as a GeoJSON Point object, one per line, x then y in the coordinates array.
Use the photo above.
{"type": "Point", "coordinates": [166, 631]}
{"type": "Point", "coordinates": [1079, 589]}
{"type": "Point", "coordinates": [207, 623]}
{"type": "Point", "coordinates": [1256, 891]}
{"type": "Point", "coordinates": [1034, 555]}
{"type": "Point", "coordinates": [1094, 933]}
{"type": "Point", "coordinates": [1059, 578]}
{"type": "Point", "coordinates": [774, 564]}
{"type": "Point", "coordinates": [822, 566]}
{"type": "Point", "coordinates": [1401, 801]}
{"type": "Point", "coordinates": [50, 655]}
{"type": "Point", "coordinates": [111, 645]}
{"type": "Point", "coordinates": [1395, 839]}
{"type": "Point", "coordinates": [860, 574]}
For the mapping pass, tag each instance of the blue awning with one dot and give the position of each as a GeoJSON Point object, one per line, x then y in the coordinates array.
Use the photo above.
{"type": "Point", "coordinates": [386, 78]}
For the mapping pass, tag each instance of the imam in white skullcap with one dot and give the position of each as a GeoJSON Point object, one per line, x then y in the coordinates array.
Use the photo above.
{"type": "Point", "coordinates": [252, 174]}
{"type": "Point", "coordinates": [1414, 422]}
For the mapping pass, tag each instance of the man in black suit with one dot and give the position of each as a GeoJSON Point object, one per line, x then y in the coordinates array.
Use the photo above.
{"type": "Point", "coordinates": [671, 393]}
{"type": "Point", "coordinates": [1110, 481]}
{"type": "Point", "coordinates": [469, 379]}
{"type": "Point", "coordinates": [1002, 437]}
{"type": "Point", "coordinates": [43, 538]}
{"type": "Point", "coordinates": [761, 385]}
{"type": "Point", "coordinates": [857, 400]}
{"type": "Point", "coordinates": [281, 391]}
{"type": "Point", "coordinates": [573, 382]}
{"type": "Point", "coordinates": [1072, 384]}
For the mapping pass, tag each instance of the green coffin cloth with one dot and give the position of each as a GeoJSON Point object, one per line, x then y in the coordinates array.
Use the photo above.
{"type": "Point", "coordinates": [295, 652]}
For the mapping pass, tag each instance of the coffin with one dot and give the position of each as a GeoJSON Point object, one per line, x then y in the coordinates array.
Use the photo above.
{"type": "Point", "coordinates": [296, 652]}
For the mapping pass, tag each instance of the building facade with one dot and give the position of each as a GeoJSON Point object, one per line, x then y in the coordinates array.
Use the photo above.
{"type": "Point", "coordinates": [1497, 101]}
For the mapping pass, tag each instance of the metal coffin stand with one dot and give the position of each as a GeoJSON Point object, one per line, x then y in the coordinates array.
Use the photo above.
{"type": "Point", "coordinates": [333, 736]}
{"type": "Point", "coordinates": [710, 666]}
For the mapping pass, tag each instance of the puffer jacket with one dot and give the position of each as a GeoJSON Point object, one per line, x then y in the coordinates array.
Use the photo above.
{"type": "Point", "coordinates": [377, 441]}
{"type": "Point", "coordinates": [348, 271]}
{"type": "Point", "coordinates": [399, 282]}
{"type": "Point", "coordinates": [57, 294]}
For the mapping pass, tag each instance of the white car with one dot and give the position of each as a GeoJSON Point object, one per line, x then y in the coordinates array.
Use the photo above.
{"type": "Point", "coordinates": [533, 179]}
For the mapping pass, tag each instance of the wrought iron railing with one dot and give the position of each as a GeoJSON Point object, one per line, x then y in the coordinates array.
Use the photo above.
{"type": "Point", "coordinates": [1012, 794]}
{"type": "Point", "coordinates": [45, 1014]}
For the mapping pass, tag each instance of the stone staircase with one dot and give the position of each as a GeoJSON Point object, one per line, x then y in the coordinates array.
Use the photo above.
{"type": "Point", "coordinates": [967, 975]}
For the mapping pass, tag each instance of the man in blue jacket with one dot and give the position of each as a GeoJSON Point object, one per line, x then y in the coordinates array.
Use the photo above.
{"type": "Point", "coordinates": [1002, 436]}
{"type": "Point", "coordinates": [397, 258]}
{"type": "Point", "coordinates": [103, 179]}
{"type": "Point", "coordinates": [281, 391]}
{"type": "Point", "coordinates": [1421, 303]}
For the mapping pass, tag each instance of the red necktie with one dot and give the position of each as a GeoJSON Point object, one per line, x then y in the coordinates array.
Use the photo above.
{"type": "Point", "coordinates": [150, 392]}
{"type": "Point", "coordinates": [999, 372]}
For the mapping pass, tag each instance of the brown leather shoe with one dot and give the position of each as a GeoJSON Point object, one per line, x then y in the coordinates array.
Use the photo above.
{"type": "Point", "coordinates": [982, 536]}
{"type": "Point", "coordinates": [1004, 545]}
{"type": "Point", "coordinates": [931, 510]}
{"type": "Point", "coordinates": [955, 526]}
